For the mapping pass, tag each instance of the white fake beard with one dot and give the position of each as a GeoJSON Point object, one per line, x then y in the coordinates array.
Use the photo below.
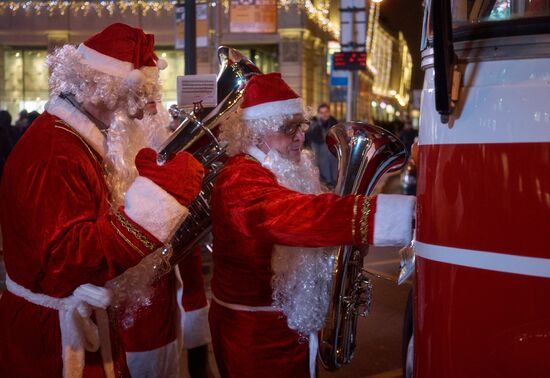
{"type": "Point", "coordinates": [302, 276]}
{"type": "Point", "coordinates": [126, 136]}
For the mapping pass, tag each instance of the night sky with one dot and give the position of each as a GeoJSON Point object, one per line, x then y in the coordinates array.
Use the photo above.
{"type": "Point", "coordinates": [406, 15]}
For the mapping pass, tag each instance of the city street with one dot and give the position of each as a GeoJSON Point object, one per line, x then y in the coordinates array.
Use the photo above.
{"type": "Point", "coordinates": [379, 351]}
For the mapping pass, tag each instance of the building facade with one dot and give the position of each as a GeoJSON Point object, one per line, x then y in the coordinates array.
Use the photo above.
{"type": "Point", "coordinates": [292, 38]}
{"type": "Point", "coordinates": [391, 62]}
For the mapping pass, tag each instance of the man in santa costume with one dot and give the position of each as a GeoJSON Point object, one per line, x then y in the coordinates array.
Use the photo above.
{"type": "Point", "coordinates": [76, 212]}
{"type": "Point", "coordinates": [272, 226]}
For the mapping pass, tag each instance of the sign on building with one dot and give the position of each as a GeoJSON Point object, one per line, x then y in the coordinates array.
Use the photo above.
{"type": "Point", "coordinates": [338, 78]}
{"type": "Point", "coordinates": [202, 25]}
{"type": "Point", "coordinates": [349, 61]}
{"type": "Point", "coordinates": [253, 16]}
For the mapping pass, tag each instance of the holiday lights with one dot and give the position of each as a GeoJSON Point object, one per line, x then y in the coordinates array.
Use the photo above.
{"type": "Point", "coordinates": [318, 13]}
{"type": "Point", "coordinates": [85, 7]}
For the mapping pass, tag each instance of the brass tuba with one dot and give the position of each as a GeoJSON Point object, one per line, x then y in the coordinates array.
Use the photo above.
{"type": "Point", "coordinates": [196, 134]}
{"type": "Point", "coordinates": [365, 152]}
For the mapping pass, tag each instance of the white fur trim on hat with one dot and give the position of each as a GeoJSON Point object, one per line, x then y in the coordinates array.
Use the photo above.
{"type": "Point", "coordinates": [393, 220]}
{"type": "Point", "coordinates": [196, 331]}
{"type": "Point", "coordinates": [153, 208]}
{"type": "Point", "coordinates": [104, 63]}
{"type": "Point", "coordinates": [269, 109]}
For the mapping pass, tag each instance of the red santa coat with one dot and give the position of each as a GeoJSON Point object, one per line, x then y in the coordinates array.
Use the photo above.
{"type": "Point", "coordinates": [250, 213]}
{"type": "Point", "coordinates": [59, 232]}
{"type": "Point", "coordinates": [176, 318]}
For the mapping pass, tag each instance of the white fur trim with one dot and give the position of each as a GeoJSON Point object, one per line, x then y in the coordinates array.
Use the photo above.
{"type": "Point", "coordinates": [163, 362]}
{"type": "Point", "coordinates": [153, 208]}
{"type": "Point", "coordinates": [196, 331]}
{"type": "Point", "coordinates": [78, 121]}
{"type": "Point", "coordinates": [256, 153]}
{"type": "Point", "coordinates": [393, 220]}
{"type": "Point", "coordinates": [162, 64]}
{"type": "Point", "coordinates": [104, 63]}
{"type": "Point", "coordinates": [268, 109]}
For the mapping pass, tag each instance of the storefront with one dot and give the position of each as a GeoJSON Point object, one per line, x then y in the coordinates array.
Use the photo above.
{"type": "Point", "coordinates": [293, 40]}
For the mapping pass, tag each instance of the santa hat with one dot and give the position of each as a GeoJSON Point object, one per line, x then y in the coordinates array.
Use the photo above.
{"type": "Point", "coordinates": [268, 95]}
{"type": "Point", "coordinates": [123, 51]}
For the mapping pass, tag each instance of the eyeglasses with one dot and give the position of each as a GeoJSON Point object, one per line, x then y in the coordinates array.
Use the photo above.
{"type": "Point", "coordinates": [291, 129]}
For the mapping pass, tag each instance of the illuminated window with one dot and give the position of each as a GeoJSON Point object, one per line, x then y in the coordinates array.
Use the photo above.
{"type": "Point", "coordinates": [168, 76]}
{"type": "Point", "coordinates": [25, 81]}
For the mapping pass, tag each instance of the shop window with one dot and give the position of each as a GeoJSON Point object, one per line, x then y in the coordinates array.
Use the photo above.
{"type": "Point", "coordinates": [175, 68]}
{"type": "Point", "coordinates": [25, 79]}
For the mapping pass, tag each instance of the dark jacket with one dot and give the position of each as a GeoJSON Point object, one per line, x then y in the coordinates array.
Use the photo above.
{"type": "Point", "coordinates": [318, 130]}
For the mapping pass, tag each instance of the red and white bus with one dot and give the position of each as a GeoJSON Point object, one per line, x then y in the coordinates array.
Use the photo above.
{"type": "Point", "coordinates": [482, 291]}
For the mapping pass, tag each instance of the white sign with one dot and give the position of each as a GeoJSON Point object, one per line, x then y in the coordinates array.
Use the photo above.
{"type": "Point", "coordinates": [195, 89]}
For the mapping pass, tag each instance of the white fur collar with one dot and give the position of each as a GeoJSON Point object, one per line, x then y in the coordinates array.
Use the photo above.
{"type": "Point", "coordinates": [256, 153]}
{"type": "Point", "coordinates": [78, 121]}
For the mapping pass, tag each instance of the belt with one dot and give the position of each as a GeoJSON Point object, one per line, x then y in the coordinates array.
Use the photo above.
{"type": "Point", "coordinates": [313, 338]}
{"type": "Point", "coordinates": [78, 332]}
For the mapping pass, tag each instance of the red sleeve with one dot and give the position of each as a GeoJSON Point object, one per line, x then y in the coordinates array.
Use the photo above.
{"type": "Point", "coordinates": [262, 209]}
{"type": "Point", "coordinates": [83, 240]}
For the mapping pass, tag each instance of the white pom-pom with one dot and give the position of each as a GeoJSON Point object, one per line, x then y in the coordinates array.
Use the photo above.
{"type": "Point", "coordinates": [135, 78]}
{"type": "Point", "coordinates": [162, 64]}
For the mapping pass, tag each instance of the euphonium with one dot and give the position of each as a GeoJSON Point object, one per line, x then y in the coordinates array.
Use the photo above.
{"type": "Point", "coordinates": [196, 134]}
{"type": "Point", "coordinates": [365, 152]}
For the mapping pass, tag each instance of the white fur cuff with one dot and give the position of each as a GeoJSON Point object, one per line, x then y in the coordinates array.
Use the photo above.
{"type": "Point", "coordinates": [393, 220]}
{"type": "Point", "coordinates": [153, 208]}
{"type": "Point", "coordinates": [162, 362]}
{"type": "Point", "coordinates": [196, 331]}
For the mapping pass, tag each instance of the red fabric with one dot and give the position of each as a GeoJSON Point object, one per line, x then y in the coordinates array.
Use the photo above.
{"type": "Point", "coordinates": [194, 295]}
{"type": "Point", "coordinates": [125, 43]}
{"type": "Point", "coordinates": [58, 233]}
{"type": "Point", "coordinates": [157, 324]}
{"type": "Point", "coordinates": [254, 344]}
{"type": "Point", "coordinates": [270, 87]}
{"type": "Point", "coordinates": [250, 213]}
{"type": "Point", "coordinates": [183, 165]}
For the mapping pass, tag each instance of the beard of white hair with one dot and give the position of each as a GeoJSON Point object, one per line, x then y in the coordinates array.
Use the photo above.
{"type": "Point", "coordinates": [126, 136]}
{"type": "Point", "coordinates": [302, 276]}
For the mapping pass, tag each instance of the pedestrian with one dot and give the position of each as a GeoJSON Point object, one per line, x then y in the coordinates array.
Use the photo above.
{"type": "Point", "coordinates": [316, 139]}
{"type": "Point", "coordinates": [31, 117]}
{"type": "Point", "coordinates": [6, 138]}
{"type": "Point", "coordinates": [22, 122]}
{"type": "Point", "coordinates": [271, 228]}
{"type": "Point", "coordinates": [78, 208]}
{"type": "Point", "coordinates": [408, 135]}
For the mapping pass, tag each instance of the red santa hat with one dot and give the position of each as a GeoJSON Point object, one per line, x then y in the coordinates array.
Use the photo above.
{"type": "Point", "coordinates": [121, 50]}
{"type": "Point", "coordinates": [268, 95]}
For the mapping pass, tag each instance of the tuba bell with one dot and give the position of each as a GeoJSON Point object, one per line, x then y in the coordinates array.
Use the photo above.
{"type": "Point", "coordinates": [364, 152]}
{"type": "Point", "coordinates": [196, 134]}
